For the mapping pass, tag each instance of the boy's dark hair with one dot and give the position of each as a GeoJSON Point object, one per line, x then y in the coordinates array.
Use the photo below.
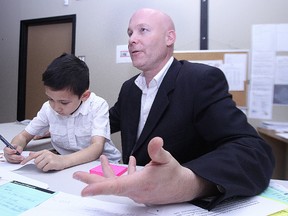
{"type": "Point", "coordinates": [67, 72]}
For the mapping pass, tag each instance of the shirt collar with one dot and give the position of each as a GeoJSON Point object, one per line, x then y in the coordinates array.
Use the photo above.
{"type": "Point", "coordinates": [157, 80]}
{"type": "Point", "coordinates": [84, 107]}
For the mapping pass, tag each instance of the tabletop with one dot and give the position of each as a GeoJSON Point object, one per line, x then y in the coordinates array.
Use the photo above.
{"type": "Point", "coordinates": [10, 129]}
{"type": "Point", "coordinates": [63, 180]}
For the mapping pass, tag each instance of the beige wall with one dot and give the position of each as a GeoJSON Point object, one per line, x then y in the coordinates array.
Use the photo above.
{"type": "Point", "coordinates": [101, 26]}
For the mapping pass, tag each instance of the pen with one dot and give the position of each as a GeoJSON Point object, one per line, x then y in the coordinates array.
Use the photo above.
{"type": "Point", "coordinates": [8, 144]}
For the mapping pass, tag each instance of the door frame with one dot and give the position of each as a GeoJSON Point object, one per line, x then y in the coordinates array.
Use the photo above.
{"type": "Point", "coordinates": [22, 67]}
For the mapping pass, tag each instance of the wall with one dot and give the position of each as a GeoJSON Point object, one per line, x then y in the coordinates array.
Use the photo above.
{"type": "Point", "coordinates": [101, 26]}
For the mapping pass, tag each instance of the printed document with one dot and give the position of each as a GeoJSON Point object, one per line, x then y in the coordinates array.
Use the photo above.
{"type": "Point", "coordinates": [72, 205]}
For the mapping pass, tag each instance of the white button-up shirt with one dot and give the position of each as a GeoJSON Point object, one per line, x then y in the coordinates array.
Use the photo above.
{"type": "Point", "coordinates": [149, 93]}
{"type": "Point", "coordinates": [74, 132]}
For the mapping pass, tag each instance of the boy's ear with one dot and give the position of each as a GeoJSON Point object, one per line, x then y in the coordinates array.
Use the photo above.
{"type": "Point", "coordinates": [85, 95]}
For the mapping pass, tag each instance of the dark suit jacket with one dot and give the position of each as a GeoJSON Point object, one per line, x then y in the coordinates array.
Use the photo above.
{"type": "Point", "coordinates": [201, 127]}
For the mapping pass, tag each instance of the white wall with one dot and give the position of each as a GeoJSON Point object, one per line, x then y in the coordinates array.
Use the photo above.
{"type": "Point", "coordinates": [102, 25]}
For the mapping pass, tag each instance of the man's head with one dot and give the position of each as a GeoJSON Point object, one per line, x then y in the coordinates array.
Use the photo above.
{"type": "Point", "coordinates": [66, 82]}
{"type": "Point", "coordinates": [151, 39]}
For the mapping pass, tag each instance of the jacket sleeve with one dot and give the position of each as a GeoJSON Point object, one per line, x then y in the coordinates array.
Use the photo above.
{"type": "Point", "coordinates": [239, 162]}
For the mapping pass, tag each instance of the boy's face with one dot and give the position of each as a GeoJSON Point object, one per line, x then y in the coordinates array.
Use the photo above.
{"type": "Point", "coordinates": [64, 102]}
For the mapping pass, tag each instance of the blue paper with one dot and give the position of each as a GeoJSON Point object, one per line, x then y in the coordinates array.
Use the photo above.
{"type": "Point", "coordinates": [17, 197]}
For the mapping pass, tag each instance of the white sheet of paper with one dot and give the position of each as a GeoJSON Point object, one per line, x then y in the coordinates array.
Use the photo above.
{"type": "Point", "coordinates": [6, 175]}
{"type": "Point", "coordinates": [10, 166]}
{"type": "Point", "coordinates": [72, 205]}
{"type": "Point", "coordinates": [281, 72]}
{"type": "Point", "coordinates": [261, 98]}
{"type": "Point", "coordinates": [235, 75]}
{"type": "Point", "coordinates": [283, 135]}
{"type": "Point", "coordinates": [282, 35]}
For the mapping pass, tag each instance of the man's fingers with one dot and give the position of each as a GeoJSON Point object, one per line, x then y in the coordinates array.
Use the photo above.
{"type": "Point", "coordinates": [157, 153]}
{"type": "Point", "coordinates": [101, 185]}
{"type": "Point", "coordinates": [106, 168]}
{"type": "Point", "coordinates": [87, 177]}
{"type": "Point", "coordinates": [131, 165]}
{"type": "Point", "coordinates": [103, 188]}
{"type": "Point", "coordinates": [120, 186]}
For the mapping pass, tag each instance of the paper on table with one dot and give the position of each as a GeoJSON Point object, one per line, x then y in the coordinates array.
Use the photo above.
{"type": "Point", "coordinates": [276, 192]}
{"type": "Point", "coordinates": [6, 175]}
{"type": "Point", "coordinates": [275, 125]}
{"type": "Point", "coordinates": [10, 166]}
{"type": "Point", "coordinates": [17, 197]}
{"type": "Point", "coordinates": [283, 135]}
{"type": "Point", "coordinates": [72, 205]}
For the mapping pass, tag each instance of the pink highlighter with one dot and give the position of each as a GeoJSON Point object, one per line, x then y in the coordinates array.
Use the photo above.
{"type": "Point", "coordinates": [118, 170]}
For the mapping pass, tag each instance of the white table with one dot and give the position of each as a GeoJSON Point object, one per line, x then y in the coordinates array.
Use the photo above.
{"type": "Point", "coordinates": [57, 180]}
{"type": "Point", "coordinates": [63, 180]}
{"type": "Point", "coordinates": [11, 129]}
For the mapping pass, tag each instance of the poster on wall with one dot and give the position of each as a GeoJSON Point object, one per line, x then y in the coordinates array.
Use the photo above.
{"type": "Point", "coordinates": [269, 69]}
{"type": "Point", "coordinates": [281, 81]}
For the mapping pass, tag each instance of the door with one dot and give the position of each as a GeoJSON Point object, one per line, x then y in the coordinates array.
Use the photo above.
{"type": "Point", "coordinates": [41, 41]}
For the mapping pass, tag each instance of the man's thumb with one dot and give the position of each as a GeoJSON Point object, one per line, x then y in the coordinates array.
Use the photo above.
{"type": "Point", "coordinates": [156, 152]}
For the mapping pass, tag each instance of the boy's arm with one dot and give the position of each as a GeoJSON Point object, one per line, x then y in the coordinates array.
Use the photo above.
{"type": "Point", "coordinates": [22, 139]}
{"type": "Point", "coordinates": [46, 160]}
{"type": "Point", "coordinates": [46, 135]}
{"type": "Point", "coordinates": [92, 152]}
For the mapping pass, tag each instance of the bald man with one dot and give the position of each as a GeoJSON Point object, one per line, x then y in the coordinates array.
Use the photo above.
{"type": "Point", "coordinates": [178, 120]}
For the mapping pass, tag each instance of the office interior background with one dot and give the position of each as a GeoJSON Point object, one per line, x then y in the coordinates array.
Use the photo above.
{"type": "Point", "coordinates": [102, 25]}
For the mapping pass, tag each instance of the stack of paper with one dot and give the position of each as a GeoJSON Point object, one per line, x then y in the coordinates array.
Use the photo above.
{"type": "Point", "coordinates": [17, 198]}
{"type": "Point", "coordinates": [274, 199]}
{"type": "Point", "coordinates": [275, 125]}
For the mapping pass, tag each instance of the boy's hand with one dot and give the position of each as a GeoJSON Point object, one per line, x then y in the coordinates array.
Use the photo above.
{"type": "Point", "coordinates": [46, 160]}
{"type": "Point", "coordinates": [11, 156]}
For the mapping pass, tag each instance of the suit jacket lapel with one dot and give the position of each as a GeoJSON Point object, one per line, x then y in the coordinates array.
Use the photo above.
{"type": "Point", "coordinates": [160, 103]}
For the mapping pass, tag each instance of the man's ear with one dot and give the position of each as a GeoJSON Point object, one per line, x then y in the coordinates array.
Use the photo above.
{"type": "Point", "coordinates": [170, 37]}
{"type": "Point", "coordinates": [85, 95]}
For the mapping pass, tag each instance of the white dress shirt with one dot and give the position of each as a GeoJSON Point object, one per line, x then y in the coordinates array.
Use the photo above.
{"type": "Point", "coordinates": [149, 93]}
{"type": "Point", "coordinates": [73, 133]}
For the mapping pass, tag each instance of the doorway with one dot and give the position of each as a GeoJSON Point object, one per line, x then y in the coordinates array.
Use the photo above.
{"type": "Point", "coordinates": [41, 41]}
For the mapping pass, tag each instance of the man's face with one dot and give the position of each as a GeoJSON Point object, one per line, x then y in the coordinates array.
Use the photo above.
{"type": "Point", "coordinates": [147, 41]}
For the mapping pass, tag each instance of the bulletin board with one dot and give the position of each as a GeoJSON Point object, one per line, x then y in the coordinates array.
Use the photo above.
{"type": "Point", "coordinates": [240, 97]}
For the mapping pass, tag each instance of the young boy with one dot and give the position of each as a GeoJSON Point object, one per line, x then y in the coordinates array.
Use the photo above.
{"type": "Point", "coordinates": [77, 119]}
